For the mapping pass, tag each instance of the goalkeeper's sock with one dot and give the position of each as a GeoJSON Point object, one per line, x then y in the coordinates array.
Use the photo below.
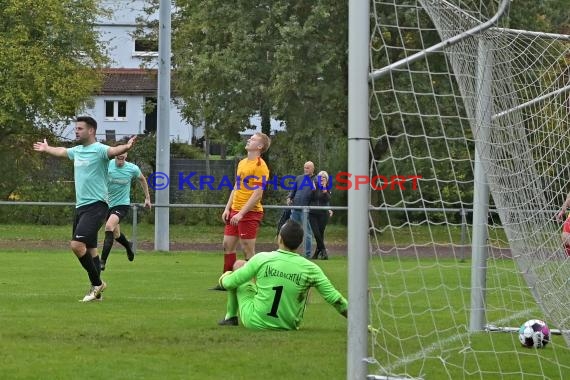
{"type": "Point", "coordinates": [229, 261]}
{"type": "Point", "coordinates": [123, 240]}
{"type": "Point", "coordinates": [232, 304]}
{"type": "Point", "coordinates": [107, 245]}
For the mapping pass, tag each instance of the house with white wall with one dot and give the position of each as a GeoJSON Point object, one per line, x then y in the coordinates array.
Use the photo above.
{"type": "Point", "coordinates": [128, 88]}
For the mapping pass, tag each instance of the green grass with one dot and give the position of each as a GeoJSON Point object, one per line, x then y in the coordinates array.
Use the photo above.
{"type": "Point", "coordinates": [422, 309]}
{"type": "Point", "coordinates": [335, 234]}
{"type": "Point", "coordinates": [157, 321]}
{"type": "Point", "coordinates": [145, 232]}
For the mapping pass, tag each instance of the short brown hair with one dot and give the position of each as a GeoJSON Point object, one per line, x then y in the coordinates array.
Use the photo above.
{"type": "Point", "coordinates": [266, 141]}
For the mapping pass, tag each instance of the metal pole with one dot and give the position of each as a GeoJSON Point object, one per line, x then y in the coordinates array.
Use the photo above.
{"type": "Point", "coordinates": [162, 214]}
{"type": "Point", "coordinates": [358, 203]}
{"type": "Point", "coordinates": [305, 221]}
{"type": "Point", "coordinates": [134, 228]}
{"type": "Point", "coordinates": [481, 192]}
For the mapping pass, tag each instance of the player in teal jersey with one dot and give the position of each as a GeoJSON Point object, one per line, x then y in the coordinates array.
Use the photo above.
{"type": "Point", "coordinates": [90, 160]}
{"type": "Point", "coordinates": [270, 290]}
{"type": "Point", "coordinates": [121, 174]}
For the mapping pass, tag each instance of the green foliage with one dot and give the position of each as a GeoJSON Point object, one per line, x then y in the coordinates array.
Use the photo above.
{"type": "Point", "coordinates": [18, 164]}
{"type": "Point", "coordinates": [47, 179]}
{"type": "Point", "coordinates": [200, 216]}
{"type": "Point", "coordinates": [48, 64]}
{"type": "Point", "coordinates": [309, 71]}
{"type": "Point", "coordinates": [183, 150]}
{"type": "Point", "coordinates": [47, 61]}
{"type": "Point", "coordinates": [212, 72]}
{"type": "Point", "coordinates": [544, 16]}
{"type": "Point", "coordinates": [143, 153]}
{"type": "Point", "coordinates": [279, 59]}
{"type": "Point", "coordinates": [237, 148]}
{"type": "Point", "coordinates": [59, 190]}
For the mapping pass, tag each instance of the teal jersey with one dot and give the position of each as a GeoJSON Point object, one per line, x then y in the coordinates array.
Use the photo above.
{"type": "Point", "coordinates": [120, 182]}
{"type": "Point", "coordinates": [282, 281]}
{"type": "Point", "coordinates": [90, 172]}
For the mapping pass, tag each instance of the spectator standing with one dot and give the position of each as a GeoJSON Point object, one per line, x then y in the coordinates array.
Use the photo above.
{"type": "Point", "coordinates": [301, 196]}
{"type": "Point", "coordinates": [319, 218]}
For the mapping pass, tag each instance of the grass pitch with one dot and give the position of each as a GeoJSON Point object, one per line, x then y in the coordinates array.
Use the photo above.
{"type": "Point", "coordinates": [157, 321]}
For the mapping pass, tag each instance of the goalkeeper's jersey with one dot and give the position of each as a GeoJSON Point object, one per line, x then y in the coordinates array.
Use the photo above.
{"type": "Point", "coordinates": [282, 281]}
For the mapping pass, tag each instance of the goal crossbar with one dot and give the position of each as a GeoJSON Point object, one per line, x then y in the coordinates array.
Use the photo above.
{"type": "Point", "coordinates": [443, 44]}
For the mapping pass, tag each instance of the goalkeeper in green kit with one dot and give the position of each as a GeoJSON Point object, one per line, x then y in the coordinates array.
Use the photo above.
{"type": "Point", "coordinates": [270, 290]}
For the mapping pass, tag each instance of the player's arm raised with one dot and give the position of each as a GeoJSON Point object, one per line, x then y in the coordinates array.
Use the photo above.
{"type": "Point", "coordinates": [120, 149]}
{"type": "Point", "coordinates": [43, 146]}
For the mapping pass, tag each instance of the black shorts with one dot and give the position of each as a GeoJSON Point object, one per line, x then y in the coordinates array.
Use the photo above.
{"type": "Point", "coordinates": [87, 222]}
{"type": "Point", "coordinates": [121, 211]}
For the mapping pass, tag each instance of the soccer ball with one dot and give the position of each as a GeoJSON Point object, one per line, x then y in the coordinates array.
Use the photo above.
{"type": "Point", "coordinates": [534, 333]}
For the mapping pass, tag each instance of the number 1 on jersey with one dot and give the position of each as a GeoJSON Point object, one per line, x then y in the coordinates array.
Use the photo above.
{"type": "Point", "coordinates": [276, 299]}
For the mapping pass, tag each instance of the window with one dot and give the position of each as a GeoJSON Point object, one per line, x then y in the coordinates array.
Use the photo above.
{"type": "Point", "coordinates": [110, 135]}
{"type": "Point", "coordinates": [146, 47]}
{"type": "Point", "coordinates": [116, 110]}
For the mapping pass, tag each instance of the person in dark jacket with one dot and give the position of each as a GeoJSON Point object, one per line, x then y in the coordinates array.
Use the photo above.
{"type": "Point", "coordinates": [301, 195]}
{"type": "Point", "coordinates": [319, 218]}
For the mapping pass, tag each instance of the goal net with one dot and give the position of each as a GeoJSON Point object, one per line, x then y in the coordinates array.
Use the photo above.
{"type": "Point", "coordinates": [470, 150]}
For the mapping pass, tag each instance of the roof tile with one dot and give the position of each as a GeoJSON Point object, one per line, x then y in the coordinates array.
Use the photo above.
{"type": "Point", "coordinates": [129, 82]}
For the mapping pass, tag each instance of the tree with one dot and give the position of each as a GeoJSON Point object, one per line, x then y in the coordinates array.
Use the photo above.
{"type": "Point", "coordinates": [278, 59]}
{"type": "Point", "coordinates": [223, 74]}
{"type": "Point", "coordinates": [48, 63]}
{"type": "Point", "coordinates": [544, 16]}
{"type": "Point", "coordinates": [310, 75]}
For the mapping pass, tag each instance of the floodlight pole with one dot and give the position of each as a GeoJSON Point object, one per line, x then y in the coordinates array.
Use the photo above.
{"type": "Point", "coordinates": [162, 201]}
